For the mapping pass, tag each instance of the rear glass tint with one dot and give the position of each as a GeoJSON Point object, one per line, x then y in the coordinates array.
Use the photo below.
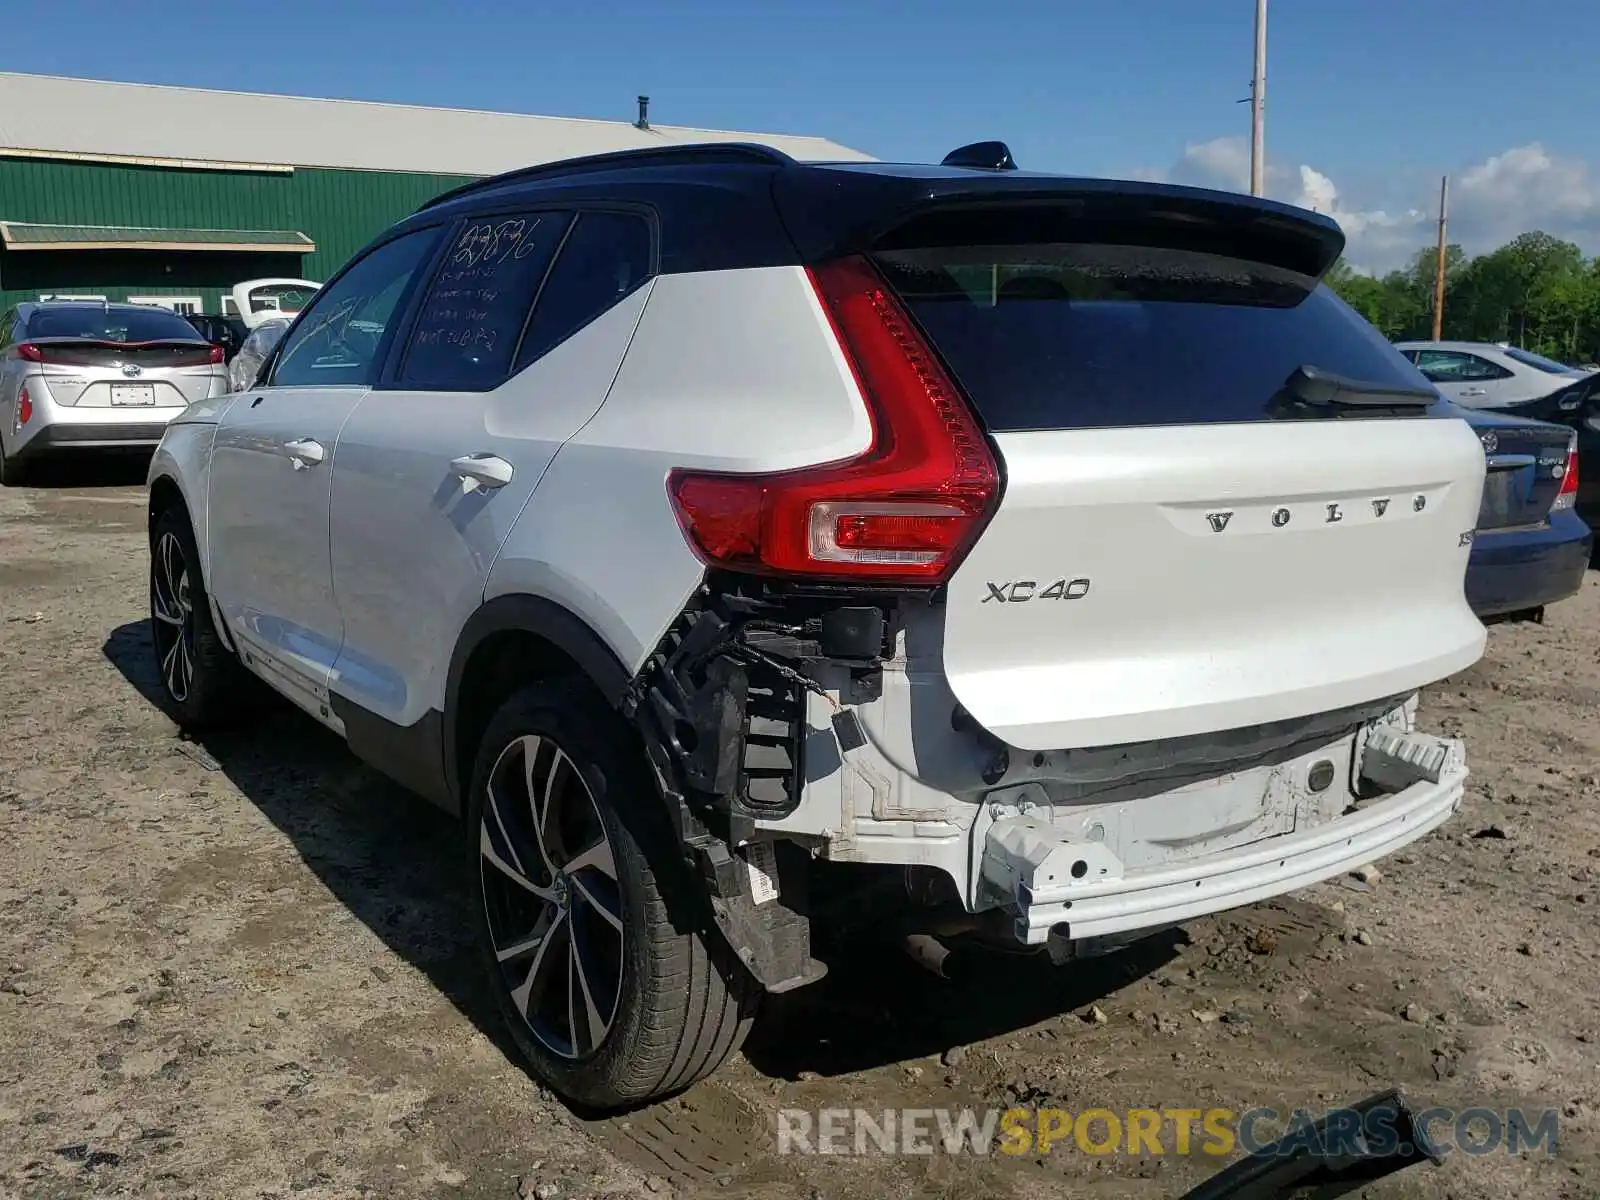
{"type": "Point", "coordinates": [1075, 336]}
{"type": "Point", "coordinates": [1538, 361]}
{"type": "Point", "coordinates": [104, 324]}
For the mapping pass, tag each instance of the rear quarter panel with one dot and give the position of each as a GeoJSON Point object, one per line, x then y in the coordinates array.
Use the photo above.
{"type": "Point", "coordinates": [728, 371]}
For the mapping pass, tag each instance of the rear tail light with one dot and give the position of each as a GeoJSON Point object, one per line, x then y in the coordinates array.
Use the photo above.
{"type": "Point", "coordinates": [82, 351]}
{"type": "Point", "coordinates": [1570, 399]}
{"type": "Point", "coordinates": [24, 406]}
{"type": "Point", "coordinates": [905, 511]}
{"type": "Point", "coordinates": [1567, 497]}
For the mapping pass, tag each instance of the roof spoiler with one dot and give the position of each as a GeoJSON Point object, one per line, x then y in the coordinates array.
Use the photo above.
{"type": "Point", "coordinates": [837, 210]}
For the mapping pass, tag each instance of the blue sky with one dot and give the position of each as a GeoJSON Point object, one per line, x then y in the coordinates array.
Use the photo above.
{"type": "Point", "coordinates": [1376, 100]}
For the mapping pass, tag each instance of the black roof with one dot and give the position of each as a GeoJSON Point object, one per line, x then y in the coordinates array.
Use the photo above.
{"type": "Point", "coordinates": [727, 205]}
{"type": "Point", "coordinates": [708, 155]}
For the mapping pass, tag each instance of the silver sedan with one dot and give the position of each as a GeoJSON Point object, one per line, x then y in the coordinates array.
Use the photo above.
{"type": "Point", "coordinates": [1498, 376]}
{"type": "Point", "coordinates": [87, 375]}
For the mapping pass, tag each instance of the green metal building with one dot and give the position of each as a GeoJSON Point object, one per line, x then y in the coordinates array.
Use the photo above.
{"type": "Point", "coordinates": [173, 195]}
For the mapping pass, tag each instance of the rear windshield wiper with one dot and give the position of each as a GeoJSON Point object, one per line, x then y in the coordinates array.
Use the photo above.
{"type": "Point", "coordinates": [1313, 391]}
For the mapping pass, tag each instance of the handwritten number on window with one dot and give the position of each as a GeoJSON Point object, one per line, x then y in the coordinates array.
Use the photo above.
{"type": "Point", "coordinates": [490, 243]}
{"type": "Point", "coordinates": [477, 304]}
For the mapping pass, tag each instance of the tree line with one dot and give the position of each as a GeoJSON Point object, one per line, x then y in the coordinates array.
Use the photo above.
{"type": "Point", "coordinates": [1536, 291]}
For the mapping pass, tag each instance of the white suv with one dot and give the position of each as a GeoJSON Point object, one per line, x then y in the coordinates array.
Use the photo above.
{"type": "Point", "coordinates": [691, 520]}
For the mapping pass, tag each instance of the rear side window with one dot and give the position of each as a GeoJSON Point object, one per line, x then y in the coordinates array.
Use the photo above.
{"type": "Point", "coordinates": [472, 317]}
{"type": "Point", "coordinates": [1065, 335]}
{"type": "Point", "coordinates": [1537, 361]}
{"type": "Point", "coordinates": [605, 258]}
{"type": "Point", "coordinates": [103, 323]}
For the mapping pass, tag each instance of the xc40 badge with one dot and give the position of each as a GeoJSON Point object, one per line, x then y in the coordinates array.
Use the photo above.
{"type": "Point", "coordinates": [1024, 590]}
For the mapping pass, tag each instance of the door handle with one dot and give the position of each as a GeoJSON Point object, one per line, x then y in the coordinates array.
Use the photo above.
{"type": "Point", "coordinates": [304, 452]}
{"type": "Point", "coordinates": [1474, 391]}
{"type": "Point", "coordinates": [482, 470]}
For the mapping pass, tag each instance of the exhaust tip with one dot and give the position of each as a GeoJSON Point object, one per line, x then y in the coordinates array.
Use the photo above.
{"type": "Point", "coordinates": [933, 955]}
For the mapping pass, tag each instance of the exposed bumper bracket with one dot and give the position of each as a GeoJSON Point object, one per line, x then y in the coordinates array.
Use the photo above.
{"type": "Point", "coordinates": [1050, 881]}
{"type": "Point", "coordinates": [1395, 759]}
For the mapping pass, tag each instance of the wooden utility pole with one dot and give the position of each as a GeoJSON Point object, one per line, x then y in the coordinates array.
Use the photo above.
{"type": "Point", "coordinates": [1438, 265]}
{"type": "Point", "coordinates": [1258, 102]}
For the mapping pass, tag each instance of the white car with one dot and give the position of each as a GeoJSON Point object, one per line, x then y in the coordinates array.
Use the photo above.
{"type": "Point", "coordinates": [261, 300]}
{"type": "Point", "coordinates": [1502, 377]}
{"type": "Point", "coordinates": [691, 521]}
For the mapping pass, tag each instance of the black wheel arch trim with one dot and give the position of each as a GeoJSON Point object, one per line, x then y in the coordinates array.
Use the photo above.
{"type": "Point", "coordinates": [562, 628]}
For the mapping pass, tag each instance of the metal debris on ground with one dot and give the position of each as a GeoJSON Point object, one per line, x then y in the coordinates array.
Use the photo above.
{"type": "Point", "coordinates": [199, 753]}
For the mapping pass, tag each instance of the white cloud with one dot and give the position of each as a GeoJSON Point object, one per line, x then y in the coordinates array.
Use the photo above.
{"type": "Point", "coordinates": [1317, 191]}
{"type": "Point", "coordinates": [1222, 162]}
{"type": "Point", "coordinates": [1372, 235]}
{"type": "Point", "coordinates": [1521, 189]}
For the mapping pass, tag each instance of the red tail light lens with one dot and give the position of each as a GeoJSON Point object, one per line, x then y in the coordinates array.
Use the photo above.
{"type": "Point", "coordinates": [1567, 497]}
{"type": "Point", "coordinates": [83, 351]}
{"type": "Point", "coordinates": [905, 511]}
{"type": "Point", "coordinates": [24, 406]}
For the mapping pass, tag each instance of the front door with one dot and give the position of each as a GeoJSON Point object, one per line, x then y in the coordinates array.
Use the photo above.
{"type": "Point", "coordinates": [271, 479]}
{"type": "Point", "coordinates": [272, 472]}
{"type": "Point", "coordinates": [436, 465]}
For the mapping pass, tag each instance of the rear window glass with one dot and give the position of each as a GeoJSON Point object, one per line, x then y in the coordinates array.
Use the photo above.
{"type": "Point", "coordinates": [110, 324]}
{"type": "Point", "coordinates": [1075, 336]}
{"type": "Point", "coordinates": [1538, 361]}
{"type": "Point", "coordinates": [280, 297]}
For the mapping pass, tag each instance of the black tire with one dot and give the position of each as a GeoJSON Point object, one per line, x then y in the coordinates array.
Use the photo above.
{"type": "Point", "coordinates": [202, 684]}
{"type": "Point", "coordinates": [681, 1006]}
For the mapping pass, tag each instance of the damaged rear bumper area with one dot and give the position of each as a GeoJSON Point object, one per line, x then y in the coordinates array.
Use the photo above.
{"type": "Point", "coordinates": [1076, 890]}
{"type": "Point", "coordinates": [721, 706]}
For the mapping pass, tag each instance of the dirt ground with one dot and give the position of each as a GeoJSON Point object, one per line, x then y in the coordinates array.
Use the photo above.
{"type": "Point", "coordinates": [242, 969]}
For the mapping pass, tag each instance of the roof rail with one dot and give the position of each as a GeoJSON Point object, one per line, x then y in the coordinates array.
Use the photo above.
{"type": "Point", "coordinates": [698, 153]}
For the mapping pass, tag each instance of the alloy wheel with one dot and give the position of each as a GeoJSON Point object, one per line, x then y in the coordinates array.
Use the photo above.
{"type": "Point", "coordinates": [172, 614]}
{"type": "Point", "coordinates": [551, 897]}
